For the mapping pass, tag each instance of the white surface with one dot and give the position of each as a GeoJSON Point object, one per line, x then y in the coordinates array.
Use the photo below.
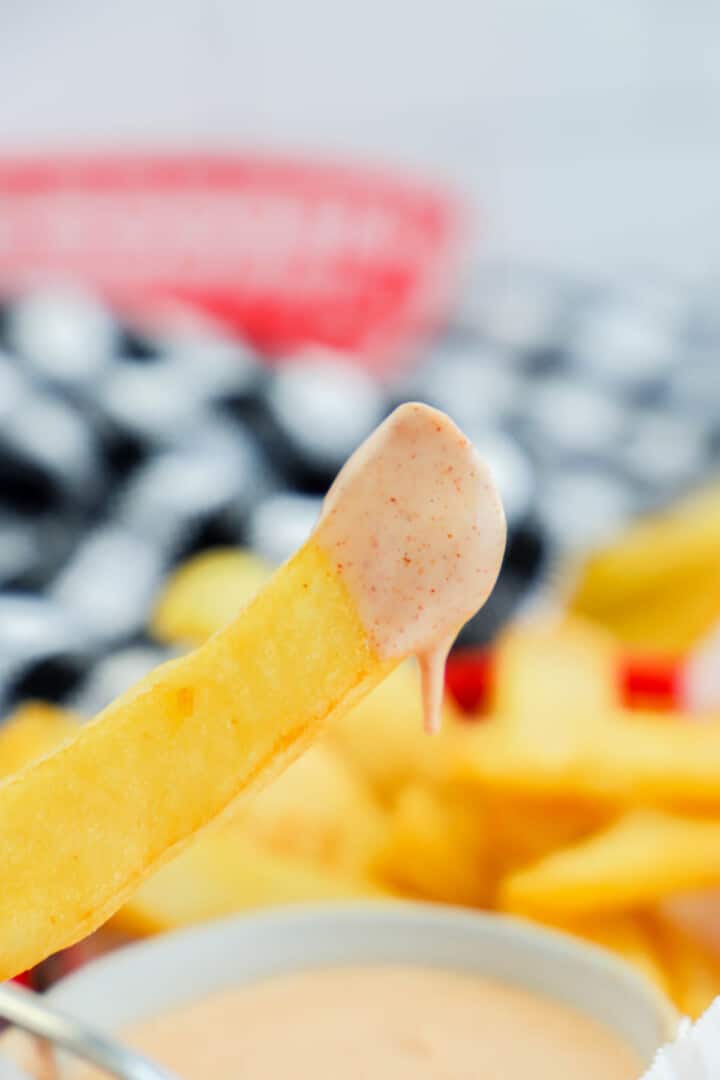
{"type": "Point", "coordinates": [157, 975]}
{"type": "Point", "coordinates": [588, 132]}
{"type": "Point", "coordinates": [695, 1055]}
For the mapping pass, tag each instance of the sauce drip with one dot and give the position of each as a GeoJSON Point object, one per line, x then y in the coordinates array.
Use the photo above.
{"type": "Point", "coordinates": [415, 527]}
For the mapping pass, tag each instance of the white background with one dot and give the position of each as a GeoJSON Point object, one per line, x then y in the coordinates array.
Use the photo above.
{"type": "Point", "coordinates": [588, 133]}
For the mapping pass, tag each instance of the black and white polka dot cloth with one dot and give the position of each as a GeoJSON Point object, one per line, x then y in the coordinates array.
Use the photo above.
{"type": "Point", "coordinates": [122, 453]}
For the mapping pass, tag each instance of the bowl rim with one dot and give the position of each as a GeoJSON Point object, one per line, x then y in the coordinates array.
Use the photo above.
{"type": "Point", "coordinates": [468, 926]}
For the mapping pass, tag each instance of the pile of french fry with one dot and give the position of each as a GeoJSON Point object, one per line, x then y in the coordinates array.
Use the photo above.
{"type": "Point", "coordinates": [558, 803]}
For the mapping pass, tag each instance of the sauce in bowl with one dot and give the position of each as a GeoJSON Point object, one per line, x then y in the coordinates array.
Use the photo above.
{"type": "Point", "coordinates": [384, 1023]}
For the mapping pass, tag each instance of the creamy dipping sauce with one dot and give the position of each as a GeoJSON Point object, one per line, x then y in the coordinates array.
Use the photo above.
{"type": "Point", "coordinates": [384, 1023]}
{"type": "Point", "coordinates": [414, 526]}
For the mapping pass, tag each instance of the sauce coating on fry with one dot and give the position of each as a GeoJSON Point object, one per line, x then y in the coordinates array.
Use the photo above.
{"type": "Point", "coordinates": [415, 527]}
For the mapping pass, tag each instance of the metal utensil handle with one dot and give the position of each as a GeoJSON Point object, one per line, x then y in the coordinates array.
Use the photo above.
{"type": "Point", "coordinates": [29, 1012]}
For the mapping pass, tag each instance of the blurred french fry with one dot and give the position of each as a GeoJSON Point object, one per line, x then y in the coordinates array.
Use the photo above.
{"type": "Point", "coordinates": [629, 935]}
{"type": "Point", "coordinates": [639, 859]}
{"type": "Point", "coordinates": [620, 758]}
{"type": "Point", "coordinates": [696, 914]}
{"type": "Point", "coordinates": [652, 556]}
{"type": "Point", "coordinates": [205, 594]}
{"type": "Point", "coordinates": [526, 828]}
{"type": "Point", "coordinates": [320, 810]}
{"type": "Point", "coordinates": [560, 733]}
{"type": "Point", "coordinates": [32, 730]}
{"type": "Point", "coordinates": [437, 848]}
{"type": "Point", "coordinates": [671, 619]}
{"type": "Point", "coordinates": [693, 972]}
{"type": "Point", "coordinates": [661, 763]}
{"type": "Point", "coordinates": [383, 736]}
{"type": "Point", "coordinates": [556, 669]}
{"type": "Point", "coordinates": [221, 873]}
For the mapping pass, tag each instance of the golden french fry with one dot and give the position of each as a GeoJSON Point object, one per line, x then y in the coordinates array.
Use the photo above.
{"type": "Point", "coordinates": [672, 619]}
{"type": "Point", "coordinates": [661, 762]}
{"type": "Point", "coordinates": [526, 828]}
{"type": "Point", "coordinates": [559, 732]}
{"type": "Point", "coordinates": [83, 827]}
{"type": "Point", "coordinates": [553, 670]}
{"type": "Point", "coordinates": [320, 810]}
{"type": "Point", "coordinates": [630, 937]}
{"type": "Point", "coordinates": [623, 758]}
{"type": "Point", "coordinates": [641, 858]}
{"type": "Point", "coordinates": [206, 593]}
{"type": "Point", "coordinates": [651, 556]}
{"type": "Point", "coordinates": [437, 847]}
{"type": "Point", "coordinates": [541, 760]}
{"type": "Point", "coordinates": [222, 872]}
{"type": "Point", "coordinates": [409, 546]}
{"type": "Point", "coordinates": [383, 739]}
{"type": "Point", "coordinates": [34, 729]}
{"type": "Point", "coordinates": [693, 971]}
{"type": "Point", "coordinates": [696, 914]}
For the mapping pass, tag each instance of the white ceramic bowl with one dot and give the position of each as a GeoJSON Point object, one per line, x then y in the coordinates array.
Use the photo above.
{"type": "Point", "coordinates": [150, 977]}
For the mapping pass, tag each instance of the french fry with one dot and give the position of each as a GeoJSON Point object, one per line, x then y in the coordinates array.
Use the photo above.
{"type": "Point", "coordinates": [205, 594]}
{"type": "Point", "coordinates": [34, 729]}
{"type": "Point", "coordinates": [527, 828]}
{"type": "Point", "coordinates": [656, 762]}
{"type": "Point", "coordinates": [551, 671]}
{"type": "Point", "coordinates": [319, 810]}
{"type": "Point", "coordinates": [559, 732]}
{"type": "Point", "coordinates": [83, 827]}
{"type": "Point", "coordinates": [437, 847]}
{"type": "Point", "coordinates": [527, 760]}
{"type": "Point", "coordinates": [620, 758]}
{"type": "Point", "coordinates": [630, 937]}
{"type": "Point", "coordinates": [655, 554]}
{"type": "Point", "coordinates": [222, 872]}
{"type": "Point", "coordinates": [382, 737]}
{"type": "Point", "coordinates": [639, 859]}
{"type": "Point", "coordinates": [409, 546]}
{"type": "Point", "coordinates": [696, 914]}
{"type": "Point", "coordinates": [672, 619]}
